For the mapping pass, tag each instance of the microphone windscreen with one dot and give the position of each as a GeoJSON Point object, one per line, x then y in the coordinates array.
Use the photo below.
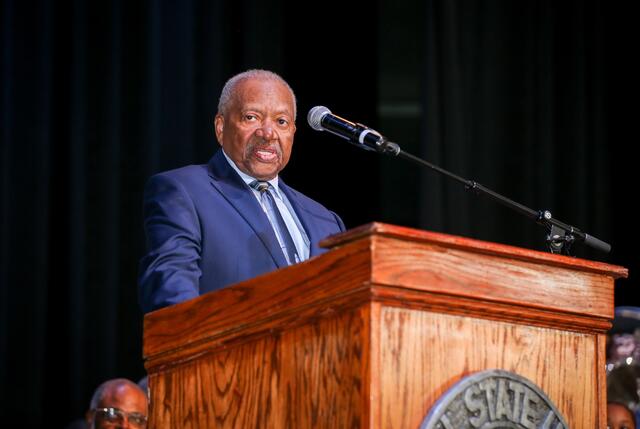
{"type": "Point", "coordinates": [315, 115]}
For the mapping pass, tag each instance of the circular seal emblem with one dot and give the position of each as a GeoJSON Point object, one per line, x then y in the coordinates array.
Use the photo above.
{"type": "Point", "coordinates": [494, 399]}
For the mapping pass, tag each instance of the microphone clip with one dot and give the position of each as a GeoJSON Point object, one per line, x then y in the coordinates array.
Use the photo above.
{"type": "Point", "coordinates": [383, 145]}
{"type": "Point", "coordinates": [380, 144]}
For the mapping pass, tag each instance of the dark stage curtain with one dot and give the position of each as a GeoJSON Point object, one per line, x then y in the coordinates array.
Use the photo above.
{"type": "Point", "coordinates": [514, 99]}
{"type": "Point", "coordinates": [96, 96]}
{"type": "Point", "coordinates": [528, 98]}
{"type": "Point", "coordinates": [523, 97]}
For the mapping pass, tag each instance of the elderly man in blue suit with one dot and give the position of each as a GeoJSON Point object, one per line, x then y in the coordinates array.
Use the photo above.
{"type": "Point", "coordinates": [210, 226]}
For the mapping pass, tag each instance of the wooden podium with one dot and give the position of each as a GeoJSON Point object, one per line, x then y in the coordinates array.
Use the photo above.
{"type": "Point", "coordinates": [372, 333]}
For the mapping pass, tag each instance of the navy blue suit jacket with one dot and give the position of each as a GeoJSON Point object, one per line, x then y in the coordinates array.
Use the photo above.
{"type": "Point", "coordinates": [206, 230]}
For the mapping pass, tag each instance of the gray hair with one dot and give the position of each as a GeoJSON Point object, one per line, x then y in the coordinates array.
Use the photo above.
{"type": "Point", "coordinates": [228, 90]}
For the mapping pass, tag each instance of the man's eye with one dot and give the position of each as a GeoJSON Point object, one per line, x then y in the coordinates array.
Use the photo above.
{"type": "Point", "coordinates": [283, 122]}
{"type": "Point", "coordinates": [250, 117]}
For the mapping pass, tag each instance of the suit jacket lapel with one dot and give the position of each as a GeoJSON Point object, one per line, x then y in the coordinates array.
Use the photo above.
{"type": "Point", "coordinates": [240, 196]}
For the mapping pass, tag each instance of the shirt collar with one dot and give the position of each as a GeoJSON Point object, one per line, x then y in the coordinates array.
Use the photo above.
{"type": "Point", "coordinates": [248, 179]}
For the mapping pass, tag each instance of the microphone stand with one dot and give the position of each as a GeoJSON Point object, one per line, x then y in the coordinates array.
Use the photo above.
{"type": "Point", "coordinates": [560, 236]}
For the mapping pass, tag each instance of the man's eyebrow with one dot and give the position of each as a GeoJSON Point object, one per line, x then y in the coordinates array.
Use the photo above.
{"type": "Point", "coordinates": [284, 112]}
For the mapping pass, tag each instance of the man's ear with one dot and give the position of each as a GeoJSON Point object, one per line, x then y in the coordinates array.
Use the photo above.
{"type": "Point", "coordinates": [218, 125]}
{"type": "Point", "coordinates": [88, 417]}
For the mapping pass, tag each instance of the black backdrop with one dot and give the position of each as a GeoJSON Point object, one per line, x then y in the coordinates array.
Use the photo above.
{"type": "Point", "coordinates": [528, 98]}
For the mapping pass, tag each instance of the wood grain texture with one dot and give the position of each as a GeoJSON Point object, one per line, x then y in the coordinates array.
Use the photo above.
{"type": "Point", "coordinates": [424, 354]}
{"type": "Point", "coordinates": [488, 309]}
{"type": "Point", "coordinates": [472, 246]}
{"type": "Point", "coordinates": [602, 379]}
{"type": "Point", "coordinates": [431, 267]}
{"type": "Point", "coordinates": [374, 351]}
{"type": "Point", "coordinates": [371, 333]}
{"type": "Point", "coordinates": [311, 376]}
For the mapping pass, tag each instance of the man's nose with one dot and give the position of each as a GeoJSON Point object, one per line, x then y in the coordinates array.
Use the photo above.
{"type": "Point", "coordinates": [266, 130]}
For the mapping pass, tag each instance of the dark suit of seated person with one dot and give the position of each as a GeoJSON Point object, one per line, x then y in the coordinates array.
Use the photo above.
{"type": "Point", "coordinates": [213, 225]}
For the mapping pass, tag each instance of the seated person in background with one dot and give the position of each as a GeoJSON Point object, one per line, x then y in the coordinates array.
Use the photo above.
{"type": "Point", "coordinates": [118, 403]}
{"type": "Point", "coordinates": [623, 359]}
{"type": "Point", "coordinates": [619, 416]}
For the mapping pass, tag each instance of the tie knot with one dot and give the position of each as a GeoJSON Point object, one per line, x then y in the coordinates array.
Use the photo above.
{"type": "Point", "coordinates": [260, 186]}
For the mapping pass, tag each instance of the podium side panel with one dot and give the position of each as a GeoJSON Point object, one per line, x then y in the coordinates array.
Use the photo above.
{"type": "Point", "coordinates": [423, 354]}
{"type": "Point", "coordinates": [310, 376]}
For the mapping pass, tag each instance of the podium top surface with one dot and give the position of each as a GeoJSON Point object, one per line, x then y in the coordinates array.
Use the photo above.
{"type": "Point", "coordinates": [472, 245]}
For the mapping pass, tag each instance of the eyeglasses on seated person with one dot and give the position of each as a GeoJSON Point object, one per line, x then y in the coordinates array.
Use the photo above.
{"type": "Point", "coordinates": [117, 418]}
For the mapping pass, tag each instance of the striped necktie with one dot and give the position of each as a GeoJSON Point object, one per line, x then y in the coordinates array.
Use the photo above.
{"type": "Point", "coordinates": [277, 222]}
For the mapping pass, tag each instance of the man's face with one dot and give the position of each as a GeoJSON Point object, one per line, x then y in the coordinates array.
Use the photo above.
{"type": "Point", "coordinates": [257, 130]}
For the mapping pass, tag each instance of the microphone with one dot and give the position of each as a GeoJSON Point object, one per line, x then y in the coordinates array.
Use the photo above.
{"type": "Point", "coordinates": [321, 119]}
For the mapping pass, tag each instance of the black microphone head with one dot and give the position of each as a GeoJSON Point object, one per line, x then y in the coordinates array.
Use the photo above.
{"type": "Point", "coordinates": [315, 115]}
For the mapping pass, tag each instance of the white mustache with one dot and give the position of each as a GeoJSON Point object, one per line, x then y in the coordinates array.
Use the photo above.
{"type": "Point", "coordinates": [252, 147]}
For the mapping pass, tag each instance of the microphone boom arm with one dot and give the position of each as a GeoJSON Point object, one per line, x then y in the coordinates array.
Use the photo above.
{"type": "Point", "coordinates": [560, 235]}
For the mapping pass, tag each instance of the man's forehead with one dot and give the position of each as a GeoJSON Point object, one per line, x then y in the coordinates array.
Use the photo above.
{"type": "Point", "coordinates": [122, 394]}
{"type": "Point", "coordinates": [259, 89]}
